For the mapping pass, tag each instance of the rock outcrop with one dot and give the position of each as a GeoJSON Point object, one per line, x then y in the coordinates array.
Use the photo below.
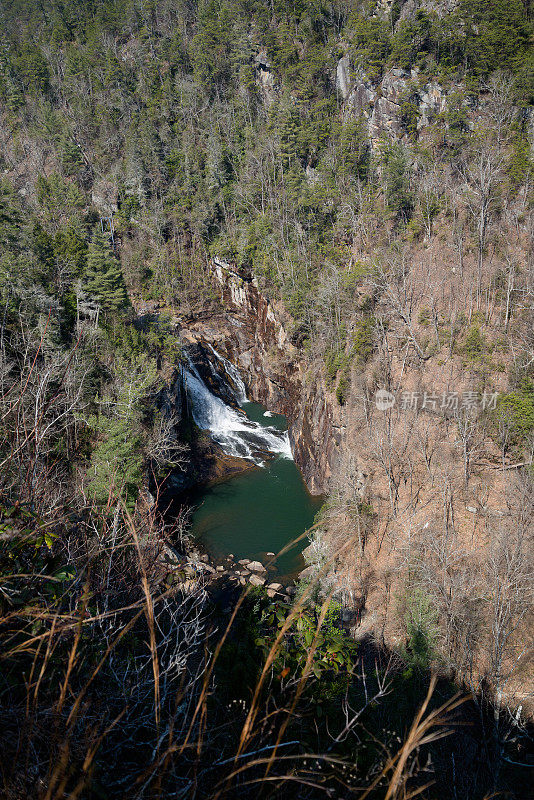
{"type": "Point", "coordinates": [343, 77]}
{"type": "Point", "coordinates": [265, 77]}
{"type": "Point", "coordinates": [381, 104]}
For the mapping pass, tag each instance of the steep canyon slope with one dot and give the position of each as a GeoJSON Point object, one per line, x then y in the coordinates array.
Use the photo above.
{"type": "Point", "coordinates": [339, 196]}
{"type": "Point", "coordinates": [426, 490]}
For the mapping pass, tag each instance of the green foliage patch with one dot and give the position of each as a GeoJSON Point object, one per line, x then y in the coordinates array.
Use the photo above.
{"type": "Point", "coordinates": [517, 407]}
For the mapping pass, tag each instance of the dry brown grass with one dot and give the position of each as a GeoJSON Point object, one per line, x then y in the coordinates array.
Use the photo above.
{"type": "Point", "coordinates": [69, 737]}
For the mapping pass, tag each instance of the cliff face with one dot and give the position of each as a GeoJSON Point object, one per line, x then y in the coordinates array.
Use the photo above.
{"type": "Point", "coordinates": [251, 332]}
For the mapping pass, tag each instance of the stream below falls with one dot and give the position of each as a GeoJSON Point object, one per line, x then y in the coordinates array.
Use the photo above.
{"type": "Point", "coordinates": [265, 507]}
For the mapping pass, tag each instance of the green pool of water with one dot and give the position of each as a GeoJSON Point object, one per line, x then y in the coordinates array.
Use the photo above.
{"type": "Point", "coordinates": [257, 511]}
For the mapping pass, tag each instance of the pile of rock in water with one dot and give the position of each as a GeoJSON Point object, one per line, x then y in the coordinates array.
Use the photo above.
{"type": "Point", "coordinates": [246, 571]}
{"type": "Point", "coordinates": [187, 570]}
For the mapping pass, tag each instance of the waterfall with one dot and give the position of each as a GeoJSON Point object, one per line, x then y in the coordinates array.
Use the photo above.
{"type": "Point", "coordinates": [229, 427]}
{"type": "Point", "coordinates": [232, 371]}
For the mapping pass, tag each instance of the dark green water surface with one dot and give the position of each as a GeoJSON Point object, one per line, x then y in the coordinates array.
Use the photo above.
{"type": "Point", "coordinates": [257, 511]}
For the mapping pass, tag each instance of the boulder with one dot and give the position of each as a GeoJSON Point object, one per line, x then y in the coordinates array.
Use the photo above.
{"type": "Point", "coordinates": [256, 566]}
{"type": "Point", "coordinates": [169, 557]}
{"type": "Point", "coordinates": [255, 580]}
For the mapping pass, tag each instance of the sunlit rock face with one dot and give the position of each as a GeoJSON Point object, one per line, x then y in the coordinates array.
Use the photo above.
{"type": "Point", "coordinates": [343, 77]}
{"type": "Point", "coordinates": [410, 7]}
{"type": "Point", "coordinates": [380, 103]}
{"type": "Point", "coordinates": [265, 77]}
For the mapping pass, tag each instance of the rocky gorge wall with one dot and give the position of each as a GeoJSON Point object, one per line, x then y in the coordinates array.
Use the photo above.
{"type": "Point", "coordinates": [253, 334]}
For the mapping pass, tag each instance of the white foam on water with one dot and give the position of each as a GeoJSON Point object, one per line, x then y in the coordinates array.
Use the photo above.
{"type": "Point", "coordinates": [230, 428]}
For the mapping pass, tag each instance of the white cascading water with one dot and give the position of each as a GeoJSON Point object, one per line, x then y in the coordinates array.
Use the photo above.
{"type": "Point", "coordinates": [233, 372]}
{"type": "Point", "coordinates": [230, 428]}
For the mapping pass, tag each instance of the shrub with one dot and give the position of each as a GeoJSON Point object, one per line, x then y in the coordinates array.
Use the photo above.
{"type": "Point", "coordinates": [518, 406]}
{"type": "Point", "coordinates": [116, 462]}
{"type": "Point", "coordinates": [396, 177]}
{"type": "Point", "coordinates": [474, 343]}
{"type": "Point", "coordinates": [335, 651]}
{"type": "Point", "coordinates": [363, 340]}
{"type": "Point", "coordinates": [421, 627]}
{"type": "Point", "coordinates": [343, 388]}
{"type": "Point", "coordinates": [333, 359]}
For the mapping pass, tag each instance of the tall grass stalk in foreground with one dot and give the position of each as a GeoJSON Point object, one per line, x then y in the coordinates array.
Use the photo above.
{"type": "Point", "coordinates": [110, 686]}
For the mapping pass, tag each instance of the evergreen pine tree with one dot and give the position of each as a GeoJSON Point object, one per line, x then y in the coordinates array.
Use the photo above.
{"type": "Point", "coordinates": [104, 279]}
{"type": "Point", "coordinates": [43, 247]}
{"type": "Point", "coordinates": [10, 217]}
